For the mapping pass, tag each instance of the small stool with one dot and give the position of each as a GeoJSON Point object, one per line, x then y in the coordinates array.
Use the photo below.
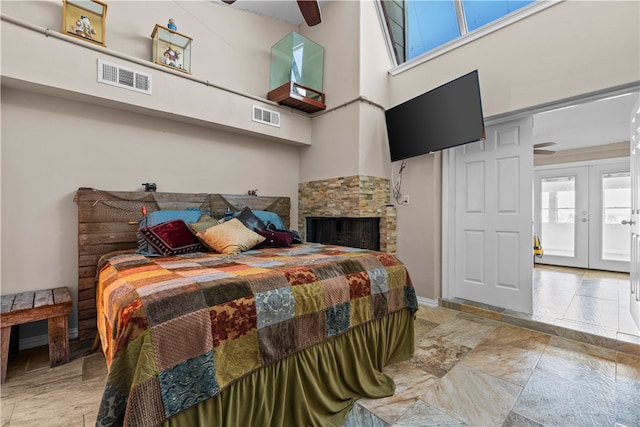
{"type": "Point", "coordinates": [52, 304]}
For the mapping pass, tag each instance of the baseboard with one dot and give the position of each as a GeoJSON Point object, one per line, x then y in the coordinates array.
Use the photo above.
{"type": "Point", "coordinates": [38, 340]}
{"type": "Point", "coordinates": [427, 301]}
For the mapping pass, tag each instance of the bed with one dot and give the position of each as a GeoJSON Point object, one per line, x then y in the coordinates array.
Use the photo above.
{"type": "Point", "coordinates": [278, 334]}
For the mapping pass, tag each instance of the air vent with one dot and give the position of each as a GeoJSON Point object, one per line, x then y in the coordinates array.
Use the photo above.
{"type": "Point", "coordinates": [267, 117]}
{"type": "Point", "coordinates": [116, 75]}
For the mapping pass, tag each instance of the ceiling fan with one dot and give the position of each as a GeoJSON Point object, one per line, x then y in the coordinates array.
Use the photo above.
{"type": "Point", "coordinates": [537, 148]}
{"type": "Point", "coordinates": [310, 10]}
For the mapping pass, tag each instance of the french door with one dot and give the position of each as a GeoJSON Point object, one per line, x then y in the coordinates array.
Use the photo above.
{"type": "Point", "coordinates": [561, 200]}
{"type": "Point", "coordinates": [579, 214]}
{"type": "Point", "coordinates": [634, 221]}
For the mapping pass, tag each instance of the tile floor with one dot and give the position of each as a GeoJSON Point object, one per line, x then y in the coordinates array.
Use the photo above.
{"type": "Point", "coordinates": [65, 396]}
{"type": "Point", "coordinates": [585, 305]}
{"type": "Point", "coordinates": [586, 300]}
{"type": "Point", "coordinates": [471, 370]}
{"type": "Point", "coordinates": [473, 366]}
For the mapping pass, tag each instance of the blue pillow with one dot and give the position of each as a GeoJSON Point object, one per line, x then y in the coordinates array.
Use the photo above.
{"type": "Point", "coordinates": [271, 218]}
{"type": "Point", "coordinates": [158, 217]}
{"type": "Point", "coordinates": [267, 218]}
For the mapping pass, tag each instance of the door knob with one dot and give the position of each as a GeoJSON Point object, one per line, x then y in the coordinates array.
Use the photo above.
{"type": "Point", "coordinates": [630, 222]}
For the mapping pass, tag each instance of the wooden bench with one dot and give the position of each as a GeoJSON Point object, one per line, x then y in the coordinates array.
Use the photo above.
{"type": "Point", "coordinates": [52, 304]}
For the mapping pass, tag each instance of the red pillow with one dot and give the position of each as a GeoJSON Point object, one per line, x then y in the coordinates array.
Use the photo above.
{"type": "Point", "coordinates": [171, 238]}
{"type": "Point", "coordinates": [275, 239]}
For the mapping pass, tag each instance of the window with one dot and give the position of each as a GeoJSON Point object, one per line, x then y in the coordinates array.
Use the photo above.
{"type": "Point", "coordinates": [616, 188]}
{"type": "Point", "coordinates": [429, 25]}
{"type": "Point", "coordinates": [566, 207]}
{"type": "Point", "coordinates": [558, 200]}
{"type": "Point", "coordinates": [419, 26]}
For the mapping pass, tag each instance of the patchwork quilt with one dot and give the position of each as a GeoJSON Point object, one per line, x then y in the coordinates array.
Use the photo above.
{"type": "Point", "coordinates": [178, 330]}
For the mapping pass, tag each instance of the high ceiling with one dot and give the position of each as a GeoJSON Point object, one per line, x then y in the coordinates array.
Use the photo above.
{"type": "Point", "coordinates": [587, 124]}
{"type": "Point", "coordinates": [284, 10]}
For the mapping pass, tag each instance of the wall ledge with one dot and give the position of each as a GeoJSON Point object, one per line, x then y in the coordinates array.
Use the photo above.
{"type": "Point", "coordinates": [36, 67]}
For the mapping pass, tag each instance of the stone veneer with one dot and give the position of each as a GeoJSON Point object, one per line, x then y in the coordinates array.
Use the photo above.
{"type": "Point", "coordinates": [352, 197]}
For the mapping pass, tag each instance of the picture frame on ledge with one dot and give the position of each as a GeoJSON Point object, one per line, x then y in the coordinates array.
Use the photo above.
{"type": "Point", "coordinates": [85, 19]}
{"type": "Point", "coordinates": [171, 49]}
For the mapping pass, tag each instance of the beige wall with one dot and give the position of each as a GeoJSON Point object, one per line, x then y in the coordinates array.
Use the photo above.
{"type": "Point", "coordinates": [569, 49]}
{"type": "Point", "coordinates": [71, 65]}
{"type": "Point", "coordinates": [350, 139]}
{"type": "Point", "coordinates": [230, 47]}
{"type": "Point", "coordinates": [63, 130]}
{"type": "Point", "coordinates": [51, 146]}
{"type": "Point", "coordinates": [334, 136]}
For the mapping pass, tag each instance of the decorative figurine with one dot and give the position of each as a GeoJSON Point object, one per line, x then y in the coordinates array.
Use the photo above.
{"type": "Point", "coordinates": [171, 57]}
{"type": "Point", "coordinates": [172, 25]}
{"type": "Point", "coordinates": [84, 28]}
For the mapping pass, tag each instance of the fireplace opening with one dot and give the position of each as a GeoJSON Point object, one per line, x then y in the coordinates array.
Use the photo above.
{"type": "Point", "coordinates": [361, 233]}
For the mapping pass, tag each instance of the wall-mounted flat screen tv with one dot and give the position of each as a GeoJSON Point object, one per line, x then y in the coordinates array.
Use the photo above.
{"type": "Point", "coordinates": [447, 116]}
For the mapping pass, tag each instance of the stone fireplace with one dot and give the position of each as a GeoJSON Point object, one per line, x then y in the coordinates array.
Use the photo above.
{"type": "Point", "coordinates": [349, 197]}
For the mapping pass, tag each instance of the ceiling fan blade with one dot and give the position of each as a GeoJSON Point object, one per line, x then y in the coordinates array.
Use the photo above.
{"type": "Point", "coordinates": [536, 151]}
{"type": "Point", "coordinates": [310, 11]}
{"type": "Point", "coordinates": [543, 144]}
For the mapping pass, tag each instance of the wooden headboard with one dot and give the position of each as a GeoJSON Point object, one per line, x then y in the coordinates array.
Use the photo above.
{"type": "Point", "coordinates": [108, 221]}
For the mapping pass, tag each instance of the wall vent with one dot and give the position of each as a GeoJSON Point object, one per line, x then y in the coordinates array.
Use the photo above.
{"type": "Point", "coordinates": [116, 75]}
{"type": "Point", "coordinates": [267, 117]}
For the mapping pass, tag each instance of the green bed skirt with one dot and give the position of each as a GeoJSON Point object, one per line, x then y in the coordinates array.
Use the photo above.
{"type": "Point", "coordinates": [315, 387]}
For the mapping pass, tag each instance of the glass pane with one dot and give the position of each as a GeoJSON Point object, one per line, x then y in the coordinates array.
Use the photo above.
{"type": "Point", "coordinates": [430, 24]}
{"type": "Point", "coordinates": [481, 12]}
{"type": "Point", "coordinates": [545, 215]}
{"type": "Point", "coordinates": [616, 206]}
{"type": "Point", "coordinates": [296, 58]}
{"type": "Point", "coordinates": [558, 215]}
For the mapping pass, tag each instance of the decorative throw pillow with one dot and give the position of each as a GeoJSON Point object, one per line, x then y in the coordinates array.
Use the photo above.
{"type": "Point", "coordinates": [171, 238]}
{"type": "Point", "coordinates": [158, 217]}
{"type": "Point", "coordinates": [251, 221]}
{"type": "Point", "coordinates": [202, 224]}
{"type": "Point", "coordinates": [275, 239]}
{"type": "Point", "coordinates": [295, 235]}
{"type": "Point", "coordinates": [230, 237]}
{"type": "Point", "coordinates": [270, 218]}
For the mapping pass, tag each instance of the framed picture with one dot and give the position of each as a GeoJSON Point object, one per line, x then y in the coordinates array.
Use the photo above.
{"type": "Point", "coordinates": [84, 19]}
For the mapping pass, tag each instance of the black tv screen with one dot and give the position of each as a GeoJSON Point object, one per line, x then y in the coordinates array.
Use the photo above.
{"type": "Point", "coordinates": [444, 117]}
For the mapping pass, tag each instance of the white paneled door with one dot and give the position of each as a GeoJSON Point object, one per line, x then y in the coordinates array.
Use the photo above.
{"type": "Point", "coordinates": [493, 249]}
{"type": "Point", "coordinates": [634, 222]}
